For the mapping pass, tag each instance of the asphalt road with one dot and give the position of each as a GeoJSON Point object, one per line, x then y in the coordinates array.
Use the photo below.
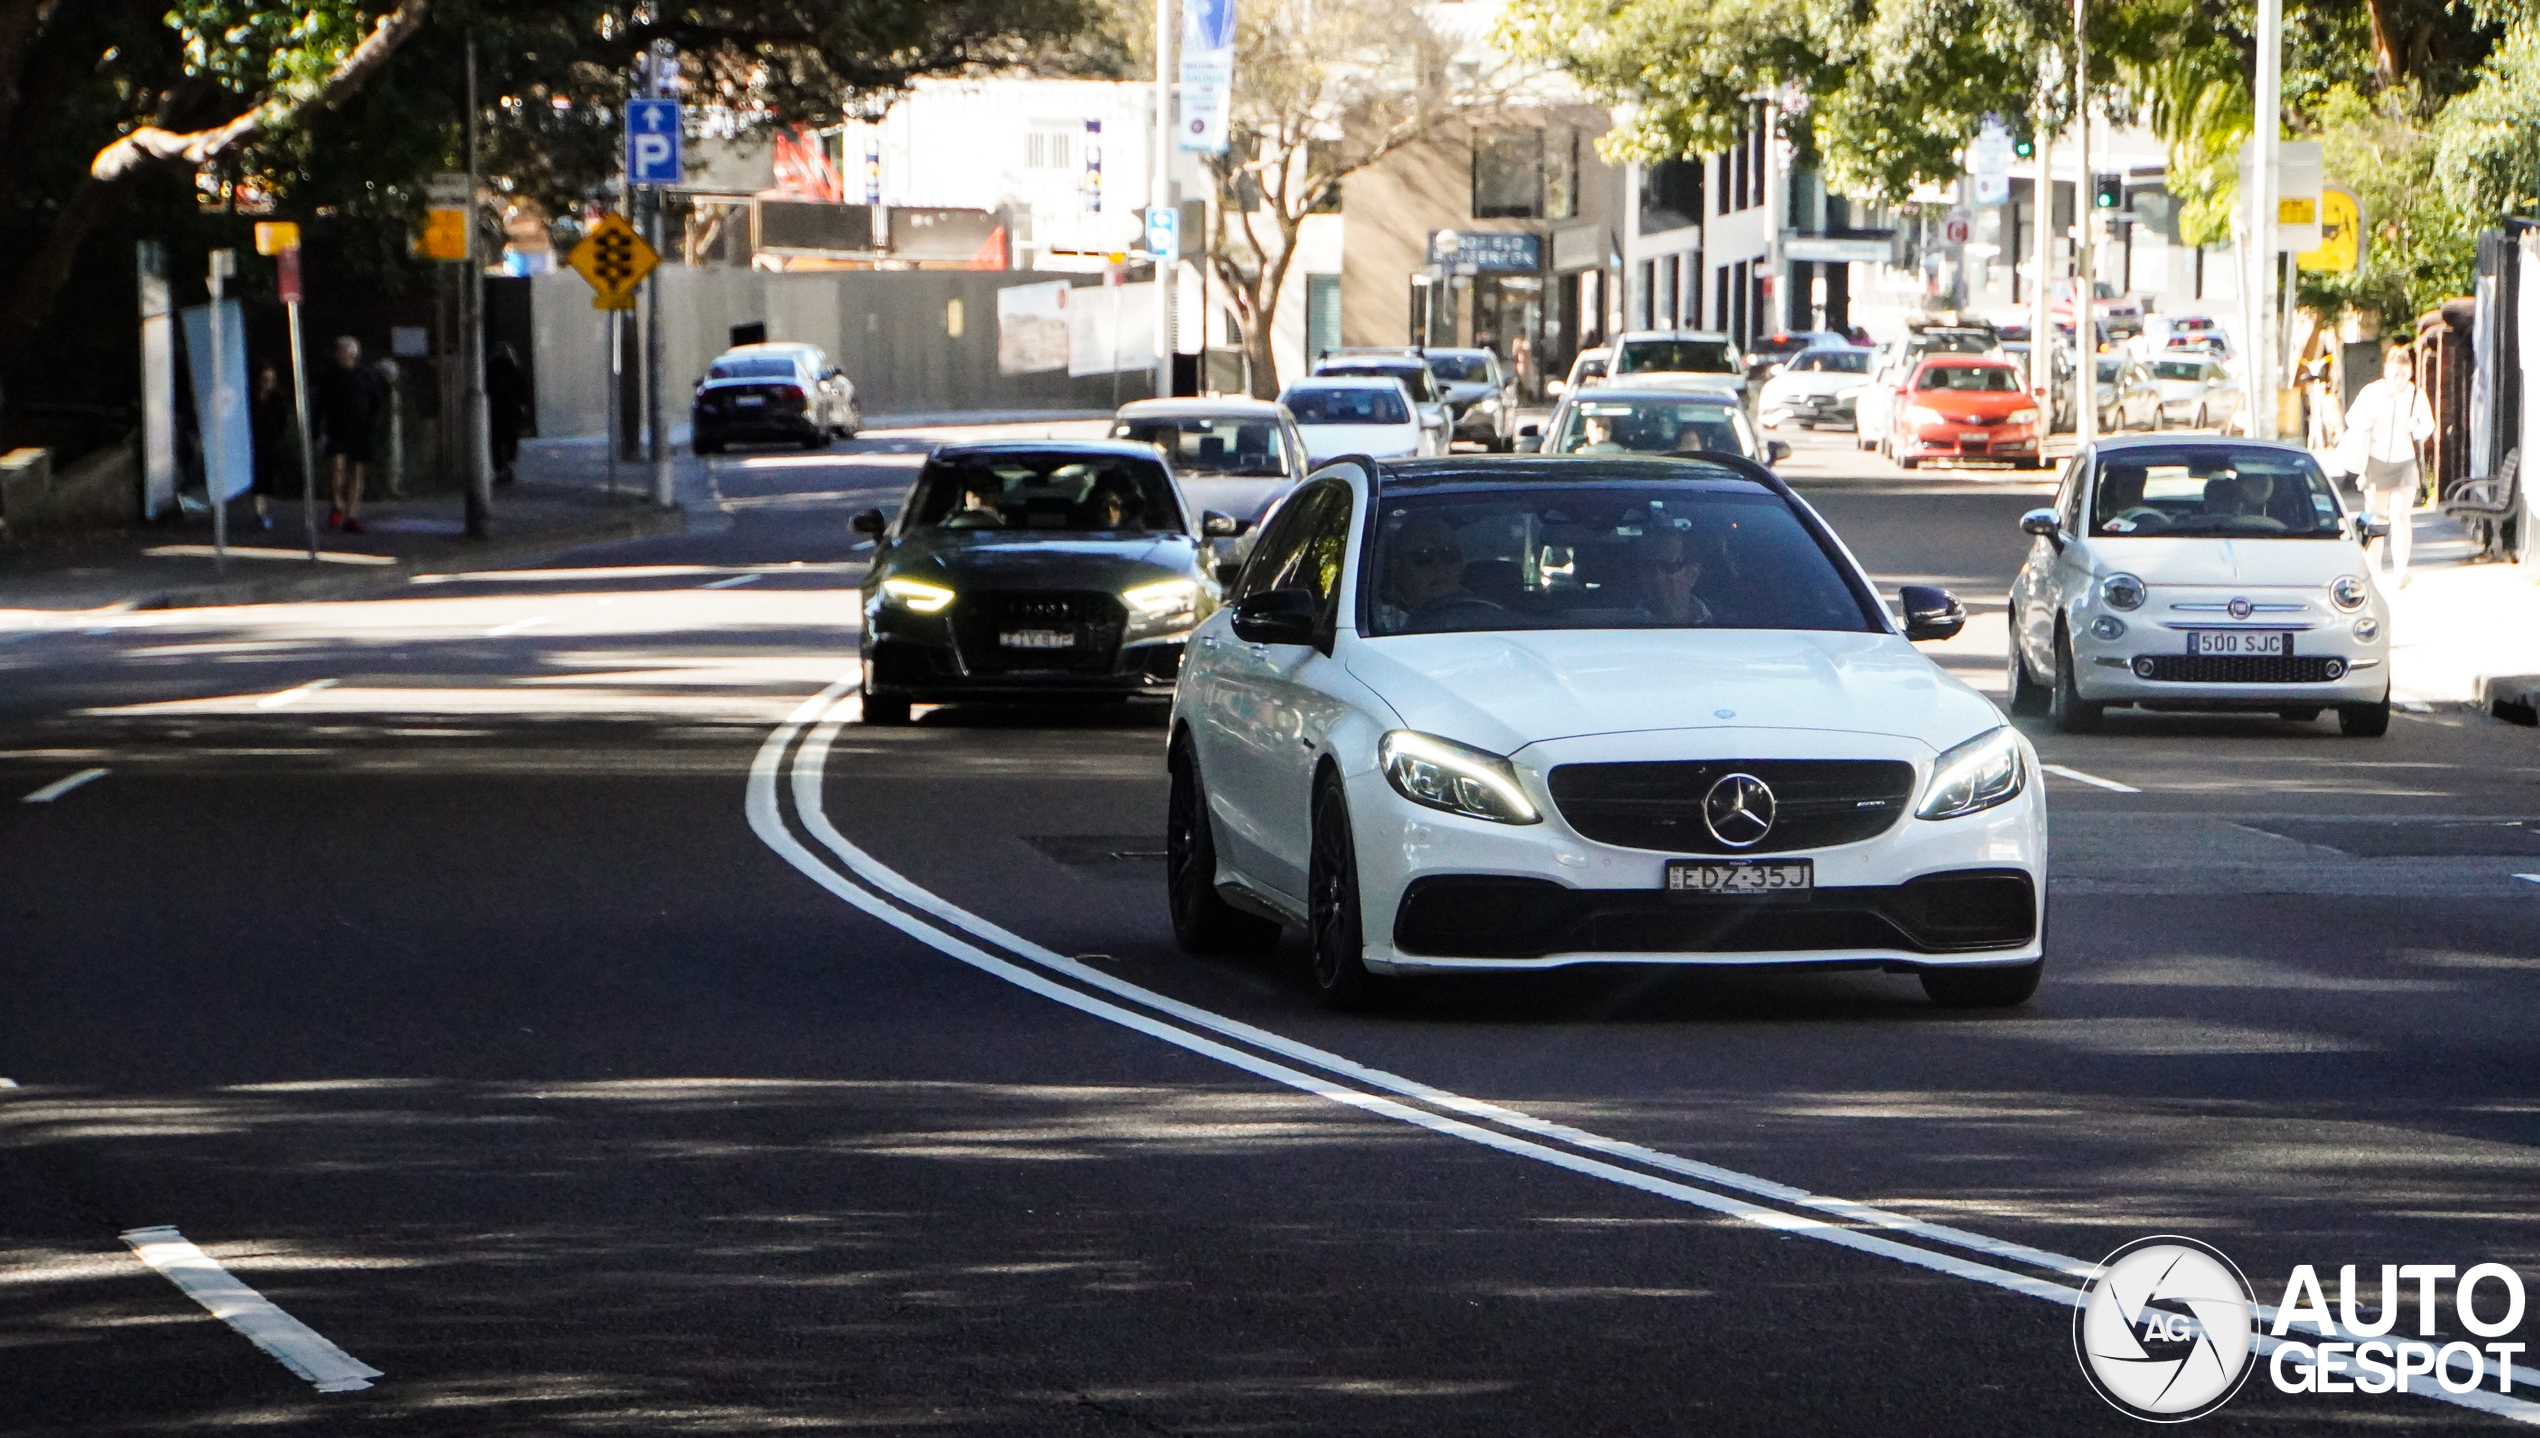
{"type": "Point", "coordinates": [540, 989]}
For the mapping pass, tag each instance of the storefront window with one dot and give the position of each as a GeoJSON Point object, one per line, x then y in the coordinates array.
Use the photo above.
{"type": "Point", "coordinates": [1508, 175]}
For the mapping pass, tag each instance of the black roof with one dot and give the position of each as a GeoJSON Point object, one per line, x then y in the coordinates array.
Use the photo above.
{"type": "Point", "coordinates": [1088, 448]}
{"type": "Point", "coordinates": [1524, 471]}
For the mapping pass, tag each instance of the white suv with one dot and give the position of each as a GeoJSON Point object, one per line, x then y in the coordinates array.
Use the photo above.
{"type": "Point", "coordinates": [1513, 714]}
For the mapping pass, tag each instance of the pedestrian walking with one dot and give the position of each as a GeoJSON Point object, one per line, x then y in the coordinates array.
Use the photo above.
{"type": "Point", "coordinates": [2384, 426]}
{"type": "Point", "coordinates": [506, 408]}
{"type": "Point", "coordinates": [269, 429]}
{"type": "Point", "coordinates": [349, 405]}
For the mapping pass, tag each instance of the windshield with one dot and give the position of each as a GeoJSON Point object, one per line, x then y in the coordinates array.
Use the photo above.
{"type": "Point", "coordinates": [2213, 490]}
{"type": "Point", "coordinates": [2177, 369]}
{"type": "Point", "coordinates": [1348, 406]}
{"type": "Point", "coordinates": [752, 367]}
{"type": "Point", "coordinates": [1974, 378]}
{"type": "Point", "coordinates": [1675, 357]}
{"type": "Point", "coordinates": [1213, 446]}
{"type": "Point", "coordinates": [1045, 494]}
{"type": "Point", "coordinates": [1644, 556]}
{"type": "Point", "coordinates": [1463, 369]}
{"type": "Point", "coordinates": [1834, 361]}
{"type": "Point", "coordinates": [1415, 378]}
{"type": "Point", "coordinates": [2109, 369]}
{"type": "Point", "coordinates": [1651, 426]}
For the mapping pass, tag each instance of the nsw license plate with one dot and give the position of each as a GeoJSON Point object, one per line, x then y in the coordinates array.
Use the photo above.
{"type": "Point", "coordinates": [2212, 641]}
{"type": "Point", "coordinates": [751, 401]}
{"type": "Point", "coordinates": [1740, 876]}
{"type": "Point", "coordinates": [1038, 639]}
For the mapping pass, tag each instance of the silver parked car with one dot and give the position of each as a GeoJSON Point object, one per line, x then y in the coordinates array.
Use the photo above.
{"type": "Point", "coordinates": [1480, 392]}
{"type": "Point", "coordinates": [2196, 390]}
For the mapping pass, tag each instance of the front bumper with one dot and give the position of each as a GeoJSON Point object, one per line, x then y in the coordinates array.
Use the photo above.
{"type": "Point", "coordinates": [955, 654]}
{"type": "Point", "coordinates": [1443, 893]}
{"type": "Point", "coordinates": [1971, 441]}
{"type": "Point", "coordinates": [2148, 663]}
{"type": "Point", "coordinates": [1812, 408]}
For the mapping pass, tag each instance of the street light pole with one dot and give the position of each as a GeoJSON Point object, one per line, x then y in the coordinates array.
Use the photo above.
{"type": "Point", "coordinates": [2085, 217]}
{"type": "Point", "coordinates": [1168, 271]}
{"type": "Point", "coordinates": [2041, 353]}
{"type": "Point", "coordinates": [480, 478]}
{"type": "Point", "coordinates": [655, 346]}
{"type": "Point", "coordinates": [2259, 263]}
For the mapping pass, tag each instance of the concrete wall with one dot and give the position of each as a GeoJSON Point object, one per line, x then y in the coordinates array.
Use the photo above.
{"type": "Point", "coordinates": [101, 491]}
{"type": "Point", "coordinates": [891, 333]}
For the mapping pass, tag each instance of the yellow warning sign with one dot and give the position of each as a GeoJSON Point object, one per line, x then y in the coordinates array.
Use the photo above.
{"type": "Point", "coordinates": [444, 235]}
{"type": "Point", "coordinates": [2297, 210]}
{"type": "Point", "coordinates": [614, 259]}
{"type": "Point", "coordinates": [2341, 233]}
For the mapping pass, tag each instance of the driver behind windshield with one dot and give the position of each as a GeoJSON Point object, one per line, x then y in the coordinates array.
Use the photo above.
{"type": "Point", "coordinates": [1424, 580]}
{"type": "Point", "coordinates": [1669, 573]}
{"type": "Point", "coordinates": [981, 505]}
{"type": "Point", "coordinates": [1114, 505]}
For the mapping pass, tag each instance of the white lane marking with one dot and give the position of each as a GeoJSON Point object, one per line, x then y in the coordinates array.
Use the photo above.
{"type": "Point", "coordinates": [2529, 878]}
{"type": "Point", "coordinates": [293, 1344]}
{"type": "Point", "coordinates": [59, 787]}
{"type": "Point", "coordinates": [734, 582]}
{"type": "Point", "coordinates": [294, 695]}
{"type": "Point", "coordinates": [2075, 774]}
{"type": "Point", "coordinates": [8, 1083]}
{"type": "Point", "coordinates": [517, 625]}
{"type": "Point", "coordinates": [766, 818]}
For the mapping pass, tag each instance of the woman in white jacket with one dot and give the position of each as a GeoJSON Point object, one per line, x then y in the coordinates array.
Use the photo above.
{"type": "Point", "coordinates": [2384, 426]}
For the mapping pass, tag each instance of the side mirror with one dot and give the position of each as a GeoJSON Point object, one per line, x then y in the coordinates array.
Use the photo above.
{"type": "Point", "coordinates": [870, 524]}
{"type": "Point", "coordinates": [1530, 431]}
{"type": "Point", "coordinates": [1277, 616]}
{"type": "Point", "coordinates": [1776, 450]}
{"type": "Point", "coordinates": [2043, 524]}
{"type": "Point", "coordinates": [2371, 526]}
{"type": "Point", "coordinates": [1931, 613]}
{"type": "Point", "coordinates": [1527, 444]}
{"type": "Point", "coordinates": [1219, 526]}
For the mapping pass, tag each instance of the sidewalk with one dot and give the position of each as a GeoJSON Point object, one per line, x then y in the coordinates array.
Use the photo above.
{"type": "Point", "coordinates": [560, 501]}
{"type": "Point", "coordinates": [2463, 633]}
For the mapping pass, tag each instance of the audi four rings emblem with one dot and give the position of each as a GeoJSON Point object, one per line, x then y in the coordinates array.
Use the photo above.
{"type": "Point", "coordinates": [2239, 608]}
{"type": "Point", "coordinates": [1739, 810]}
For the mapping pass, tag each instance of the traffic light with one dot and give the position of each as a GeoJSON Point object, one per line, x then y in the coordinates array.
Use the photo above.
{"type": "Point", "coordinates": [2107, 192]}
{"type": "Point", "coordinates": [2024, 147]}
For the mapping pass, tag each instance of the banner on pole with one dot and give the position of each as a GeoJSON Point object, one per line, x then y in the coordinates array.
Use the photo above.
{"type": "Point", "coordinates": [220, 398]}
{"type": "Point", "coordinates": [1208, 73]}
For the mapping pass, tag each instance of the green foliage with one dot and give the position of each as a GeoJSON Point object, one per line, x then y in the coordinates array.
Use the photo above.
{"type": "Point", "coordinates": [2490, 137]}
{"type": "Point", "coordinates": [2419, 247]}
{"type": "Point", "coordinates": [251, 47]}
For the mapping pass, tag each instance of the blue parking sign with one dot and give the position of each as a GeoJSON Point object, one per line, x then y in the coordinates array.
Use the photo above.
{"type": "Point", "coordinates": [1164, 232]}
{"type": "Point", "coordinates": [652, 143]}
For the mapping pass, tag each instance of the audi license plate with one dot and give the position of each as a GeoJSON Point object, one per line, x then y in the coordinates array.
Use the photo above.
{"type": "Point", "coordinates": [2226, 641]}
{"type": "Point", "coordinates": [751, 401]}
{"type": "Point", "coordinates": [1038, 639]}
{"type": "Point", "coordinates": [1740, 876]}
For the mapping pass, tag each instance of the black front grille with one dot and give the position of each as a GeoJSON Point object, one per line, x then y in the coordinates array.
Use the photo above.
{"type": "Point", "coordinates": [1093, 621]}
{"type": "Point", "coordinates": [1659, 805]}
{"type": "Point", "coordinates": [1477, 917]}
{"type": "Point", "coordinates": [2240, 669]}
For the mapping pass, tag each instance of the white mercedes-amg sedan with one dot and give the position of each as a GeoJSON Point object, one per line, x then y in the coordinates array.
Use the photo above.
{"type": "Point", "coordinates": [1487, 715]}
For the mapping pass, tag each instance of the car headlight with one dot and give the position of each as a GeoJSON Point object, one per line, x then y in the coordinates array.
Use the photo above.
{"type": "Point", "coordinates": [1458, 778]}
{"type": "Point", "coordinates": [2020, 416]}
{"type": "Point", "coordinates": [1985, 771]}
{"type": "Point", "coordinates": [2348, 592]}
{"type": "Point", "coordinates": [916, 595]}
{"type": "Point", "coordinates": [1172, 598]}
{"type": "Point", "coordinates": [1490, 405]}
{"type": "Point", "coordinates": [2122, 591]}
{"type": "Point", "coordinates": [1923, 414]}
{"type": "Point", "coordinates": [2367, 629]}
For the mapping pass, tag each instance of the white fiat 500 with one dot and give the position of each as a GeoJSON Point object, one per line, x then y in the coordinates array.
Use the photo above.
{"type": "Point", "coordinates": [2199, 575]}
{"type": "Point", "coordinates": [1486, 715]}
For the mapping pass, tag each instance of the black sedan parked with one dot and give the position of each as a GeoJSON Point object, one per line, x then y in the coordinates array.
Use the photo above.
{"type": "Point", "coordinates": [773, 393]}
{"type": "Point", "coordinates": [1033, 570]}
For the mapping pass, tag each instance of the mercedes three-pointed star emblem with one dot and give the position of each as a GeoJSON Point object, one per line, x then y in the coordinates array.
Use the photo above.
{"type": "Point", "coordinates": [1739, 810]}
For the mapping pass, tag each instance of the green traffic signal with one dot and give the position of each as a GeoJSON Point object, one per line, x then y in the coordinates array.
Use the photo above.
{"type": "Point", "coordinates": [2026, 149]}
{"type": "Point", "coordinates": [2107, 192]}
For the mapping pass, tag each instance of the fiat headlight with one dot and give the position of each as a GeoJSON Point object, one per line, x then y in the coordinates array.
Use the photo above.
{"type": "Point", "coordinates": [1443, 774]}
{"type": "Point", "coordinates": [1155, 603]}
{"type": "Point", "coordinates": [1985, 771]}
{"type": "Point", "coordinates": [2122, 591]}
{"type": "Point", "coordinates": [916, 596]}
{"type": "Point", "coordinates": [2348, 592]}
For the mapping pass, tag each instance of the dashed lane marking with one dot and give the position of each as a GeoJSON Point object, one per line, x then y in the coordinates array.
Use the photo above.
{"type": "Point", "coordinates": [294, 694]}
{"type": "Point", "coordinates": [59, 787]}
{"type": "Point", "coordinates": [517, 625]}
{"type": "Point", "coordinates": [733, 583]}
{"type": "Point", "coordinates": [291, 1343]}
{"type": "Point", "coordinates": [2075, 774]}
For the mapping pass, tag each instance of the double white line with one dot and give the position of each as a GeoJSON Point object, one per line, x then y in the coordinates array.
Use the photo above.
{"type": "Point", "coordinates": [790, 766]}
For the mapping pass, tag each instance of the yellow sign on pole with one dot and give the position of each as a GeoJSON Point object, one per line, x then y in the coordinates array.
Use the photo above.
{"type": "Point", "coordinates": [614, 259]}
{"type": "Point", "coordinates": [275, 236]}
{"type": "Point", "coordinates": [2341, 233]}
{"type": "Point", "coordinates": [444, 235]}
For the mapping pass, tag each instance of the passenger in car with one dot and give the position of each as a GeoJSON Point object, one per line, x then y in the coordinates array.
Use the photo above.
{"type": "Point", "coordinates": [1114, 506]}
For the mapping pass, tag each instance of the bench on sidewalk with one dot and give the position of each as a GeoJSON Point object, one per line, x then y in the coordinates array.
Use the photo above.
{"type": "Point", "coordinates": [2488, 508]}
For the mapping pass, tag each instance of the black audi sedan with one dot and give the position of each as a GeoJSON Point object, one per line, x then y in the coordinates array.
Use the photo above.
{"type": "Point", "coordinates": [1026, 570]}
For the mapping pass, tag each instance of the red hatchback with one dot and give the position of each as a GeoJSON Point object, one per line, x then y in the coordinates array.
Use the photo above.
{"type": "Point", "coordinates": [1967, 407]}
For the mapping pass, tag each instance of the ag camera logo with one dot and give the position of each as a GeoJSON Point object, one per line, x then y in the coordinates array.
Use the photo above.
{"type": "Point", "coordinates": [2164, 1331]}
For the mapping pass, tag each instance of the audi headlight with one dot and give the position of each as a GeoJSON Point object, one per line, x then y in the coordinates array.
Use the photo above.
{"type": "Point", "coordinates": [2348, 592]}
{"type": "Point", "coordinates": [1923, 414]}
{"type": "Point", "coordinates": [1490, 405]}
{"type": "Point", "coordinates": [2122, 591]}
{"type": "Point", "coordinates": [1169, 600]}
{"type": "Point", "coordinates": [916, 595]}
{"type": "Point", "coordinates": [2020, 416]}
{"type": "Point", "coordinates": [1984, 771]}
{"type": "Point", "coordinates": [1443, 774]}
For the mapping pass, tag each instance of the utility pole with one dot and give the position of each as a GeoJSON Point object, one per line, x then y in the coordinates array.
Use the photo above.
{"type": "Point", "coordinates": [2259, 261]}
{"type": "Point", "coordinates": [655, 347]}
{"type": "Point", "coordinates": [2041, 351]}
{"type": "Point", "coordinates": [2085, 220]}
{"type": "Point", "coordinates": [1168, 272]}
{"type": "Point", "coordinates": [480, 477]}
{"type": "Point", "coordinates": [215, 424]}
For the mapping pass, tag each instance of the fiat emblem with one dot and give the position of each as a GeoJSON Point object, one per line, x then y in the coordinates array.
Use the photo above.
{"type": "Point", "coordinates": [1739, 810]}
{"type": "Point", "coordinates": [2239, 607]}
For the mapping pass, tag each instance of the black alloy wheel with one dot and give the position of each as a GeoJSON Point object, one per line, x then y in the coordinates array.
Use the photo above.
{"type": "Point", "coordinates": [1986, 988]}
{"type": "Point", "coordinates": [2028, 697]}
{"type": "Point", "coordinates": [2072, 713]}
{"type": "Point", "coordinates": [1203, 923]}
{"type": "Point", "coordinates": [1339, 967]}
{"type": "Point", "coordinates": [2365, 721]}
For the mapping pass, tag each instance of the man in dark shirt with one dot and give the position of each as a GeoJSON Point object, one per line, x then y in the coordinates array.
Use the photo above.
{"type": "Point", "coordinates": [506, 408]}
{"type": "Point", "coordinates": [349, 405]}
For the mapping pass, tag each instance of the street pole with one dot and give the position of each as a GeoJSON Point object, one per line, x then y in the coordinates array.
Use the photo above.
{"type": "Point", "coordinates": [215, 425]}
{"type": "Point", "coordinates": [1168, 272]}
{"type": "Point", "coordinates": [480, 478]}
{"type": "Point", "coordinates": [2041, 354]}
{"type": "Point", "coordinates": [612, 369]}
{"type": "Point", "coordinates": [2267, 105]}
{"type": "Point", "coordinates": [2085, 217]}
{"type": "Point", "coordinates": [289, 263]}
{"type": "Point", "coordinates": [655, 346]}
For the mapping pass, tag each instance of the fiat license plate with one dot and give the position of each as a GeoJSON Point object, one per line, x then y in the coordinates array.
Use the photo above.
{"type": "Point", "coordinates": [1038, 639]}
{"type": "Point", "coordinates": [2227, 641]}
{"type": "Point", "coordinates": [1740, 876]}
